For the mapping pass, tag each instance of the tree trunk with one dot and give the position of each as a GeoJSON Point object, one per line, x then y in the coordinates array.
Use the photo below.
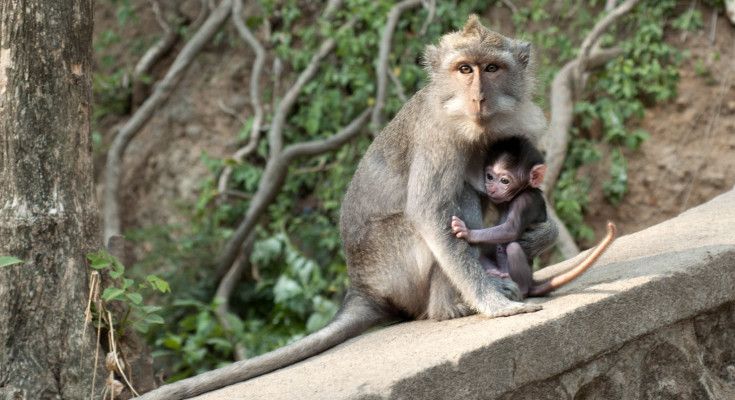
{"type": "Point", "coordinates": [48, 212]}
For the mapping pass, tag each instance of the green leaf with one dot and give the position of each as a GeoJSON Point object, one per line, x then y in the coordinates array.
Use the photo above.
{"type": "Point", "coordinates": [136, 298]}
{"type": "Point", "coordinates": [158, 283]}
{"type": "Point", "coordinates": [112, 293]}
{"type": "Point", "coordinates": [153, 319]}
{"type": "Point", "coordinates": [6, 261]}
{"type": "Point", "coordinates": [285, 289]}
{"type": "Point", "coordinates": [99, 260]}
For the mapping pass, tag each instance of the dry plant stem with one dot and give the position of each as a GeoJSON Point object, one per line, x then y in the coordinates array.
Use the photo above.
{"type": "Point", "coordinates": [160, 94]}
{"type": "Point", "coordinates": [381, 68]}
{"type": "Point", "coordinates": [113, 344]}
{"type": "Point", "coordinates": [594, 35]}
{"type": "Point", "coordinates": [96, 352]}
{"type": "Point", "coordinates": [225, 288]}
{"type": "Point", "coordinates": [274, 176]}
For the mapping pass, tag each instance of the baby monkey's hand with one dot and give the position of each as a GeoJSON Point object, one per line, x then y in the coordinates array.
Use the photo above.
{"type": "Point", "coordinates": [460, 229]}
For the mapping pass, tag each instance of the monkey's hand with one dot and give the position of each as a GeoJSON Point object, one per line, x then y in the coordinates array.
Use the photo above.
{"type": "Point", "coordinates": [459, 228]}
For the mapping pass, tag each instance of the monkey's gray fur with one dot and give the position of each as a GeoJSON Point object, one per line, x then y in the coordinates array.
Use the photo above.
{"type": "Point", "coordinates": [424, 167]}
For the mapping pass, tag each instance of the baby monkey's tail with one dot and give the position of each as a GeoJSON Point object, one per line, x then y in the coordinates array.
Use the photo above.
{"type": "Point", "coordinates": [549, 285]}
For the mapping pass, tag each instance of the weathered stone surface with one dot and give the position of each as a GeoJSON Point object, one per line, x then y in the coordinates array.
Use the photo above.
{"type": "Point", "coordinates": [655, 319]}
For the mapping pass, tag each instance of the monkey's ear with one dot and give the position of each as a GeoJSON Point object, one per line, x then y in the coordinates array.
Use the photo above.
{"type": "Point", "coordinates": [432, 60]}
{"type": "Point", "coordinates": [523, 53]}
{"type": "Point", "coordinates": [472, 25]}
{"type": "Point", "coordinates": [538, 172]}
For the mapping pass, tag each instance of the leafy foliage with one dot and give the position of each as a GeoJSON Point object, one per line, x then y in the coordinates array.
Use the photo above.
{"type": "Point", "coordinates": [129, 292]}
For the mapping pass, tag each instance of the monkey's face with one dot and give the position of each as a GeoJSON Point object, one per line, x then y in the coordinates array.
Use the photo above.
{"type": "Point", "coordinates": [479, 74]}
{"type": "Point", "coordinates": [501, 184]}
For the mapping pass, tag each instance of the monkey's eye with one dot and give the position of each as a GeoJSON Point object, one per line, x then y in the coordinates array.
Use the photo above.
{"type": "Point", "coordinates": [465, 69]}
{"type": "Point", "coordinates": [504, 181]}
{"type": "Point", "coordinates": [489, 177]}
{"type": "Point", "coordinates": [492, 68]}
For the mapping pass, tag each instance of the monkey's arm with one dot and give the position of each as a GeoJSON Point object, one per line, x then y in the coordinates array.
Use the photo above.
{"type": "Point", "coordinates": [523, 210]}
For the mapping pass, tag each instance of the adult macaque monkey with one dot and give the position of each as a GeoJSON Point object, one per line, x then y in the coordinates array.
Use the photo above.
{"type": "Point", "coordinates": [514, 173]}
{"type": "Point", "coordinates": [425, 166]}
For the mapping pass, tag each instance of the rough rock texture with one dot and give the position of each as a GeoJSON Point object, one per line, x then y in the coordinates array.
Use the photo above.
{"type": "Point", "coordinates": [655, 319]}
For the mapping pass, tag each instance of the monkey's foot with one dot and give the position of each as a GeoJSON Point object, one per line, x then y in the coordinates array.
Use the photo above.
{"type": "Point", "coordinates": [497, 273]}
{"type": "Point", "coordinates": [511, 308]}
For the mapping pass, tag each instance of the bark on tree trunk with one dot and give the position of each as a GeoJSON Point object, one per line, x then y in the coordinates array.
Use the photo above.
{"type": "Point", "coordinates": [48, 211]}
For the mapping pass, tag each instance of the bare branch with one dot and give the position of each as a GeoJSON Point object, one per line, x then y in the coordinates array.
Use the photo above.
{"type": "Point", "coordinates": [160, 94]}
{"type": "Point", "coordinates": [430, 6]}
{"type": "Point", "coordinates": [568, 84]}
{"type": "Point", "coordinates": [255, 77]}
{"type": "Point", "coordinates": [510, 5]}
{"type": "Point", "coordinates": [399, 86]}
{"type": "Point", "coordinates": [564, 242]}
{"type": "Point", "coordinates": [331, 8]}
{"type": "Point", "coordinates": [225, 288]}
{"type": "Point", "coordinates": [275, 135]}
{"type": "Point", "coordinates": [556, 140]}
{"type": "Point", "coordinates": [273, 178]}
{"type": "Point", "coordinates": [160, 48]}
{"type": "Point", "coordinates": [381, 68]}
{"type": "Point", "coordinates": [610, 5]}
{"type": "Point", "coordinates": [594, 35]}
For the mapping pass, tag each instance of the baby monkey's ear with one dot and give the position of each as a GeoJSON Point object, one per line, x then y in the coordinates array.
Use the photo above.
{"type": "Point", "coordinates": [537, 175]}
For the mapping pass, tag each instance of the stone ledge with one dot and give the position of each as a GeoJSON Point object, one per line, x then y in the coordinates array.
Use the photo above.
{"type": "Point", "coordinates": [645, 283]}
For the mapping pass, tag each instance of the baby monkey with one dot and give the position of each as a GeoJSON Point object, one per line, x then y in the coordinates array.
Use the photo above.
{"type": "Point", "coordinates": [514, 171]}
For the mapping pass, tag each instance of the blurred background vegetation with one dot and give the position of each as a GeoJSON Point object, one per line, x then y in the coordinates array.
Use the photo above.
{"type": "Point", "coordinates": [177, 225]}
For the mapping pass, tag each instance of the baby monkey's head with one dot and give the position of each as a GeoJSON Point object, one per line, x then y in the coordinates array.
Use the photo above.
{"type": "Point", "coordinates": [512, 165]}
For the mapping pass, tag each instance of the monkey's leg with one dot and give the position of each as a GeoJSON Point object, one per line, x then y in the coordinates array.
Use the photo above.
{"type": "Point", "coordinates": [519, 269]}
{"type": "Point", "coordinates": [356, 315]}
{"type": "Point", "coordinates": [492, 268]}
{"type": "Point", "coordinates": [445, 301]}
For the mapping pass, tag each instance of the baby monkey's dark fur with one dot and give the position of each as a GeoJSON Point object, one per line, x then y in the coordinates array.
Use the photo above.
{"type": "Point", "coordinates": [513, 174]}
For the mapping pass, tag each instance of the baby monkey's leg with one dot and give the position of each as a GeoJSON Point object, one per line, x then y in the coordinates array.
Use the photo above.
{"type": "Point", "coordinates": [492, 268]}
{"type": "Point", "coordinates": [518, 267]}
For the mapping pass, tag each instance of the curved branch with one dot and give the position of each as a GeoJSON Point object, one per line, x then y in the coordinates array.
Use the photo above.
{"type": "Point", "coordinates": [381, 68]}
{"type": "Point", "coordinates": [600, 27]}
{"type": "Point", "coordinates": [161, 93]}
{"type": "Point", "coordinates": [225, 288]}
{"type": "Point", "coordinates": [556, 140]}
{"type": "Point", "coordinates": [255, 77]}
{"type": "Point", "coordinates": [272, 180]}
{"type": "Point", "coordinates": [565, 241]}
{"type": "Point", "coordinates": [161, 47]}
{"type": "Point", "coordinates": [275, 134]}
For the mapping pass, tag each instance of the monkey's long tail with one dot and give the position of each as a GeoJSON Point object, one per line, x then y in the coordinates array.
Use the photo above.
{"type": "Point", "coordinates": [356, 316]}
{"type": "Point", "coordinates": [546, 287]}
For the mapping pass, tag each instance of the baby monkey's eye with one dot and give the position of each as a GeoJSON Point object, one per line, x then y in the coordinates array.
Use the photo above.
{"type": "Point", "coordinates": [465, 69]}
{"type": "Point", "coordinates": [504, 181]}
{"type": "Point", "coordinates": [489, 177]}
{"type": "Point", "coordinates": [492, 68]}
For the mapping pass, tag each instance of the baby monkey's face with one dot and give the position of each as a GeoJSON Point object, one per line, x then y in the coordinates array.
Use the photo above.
{"type": "Point", "coordinates": [501, 184]}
